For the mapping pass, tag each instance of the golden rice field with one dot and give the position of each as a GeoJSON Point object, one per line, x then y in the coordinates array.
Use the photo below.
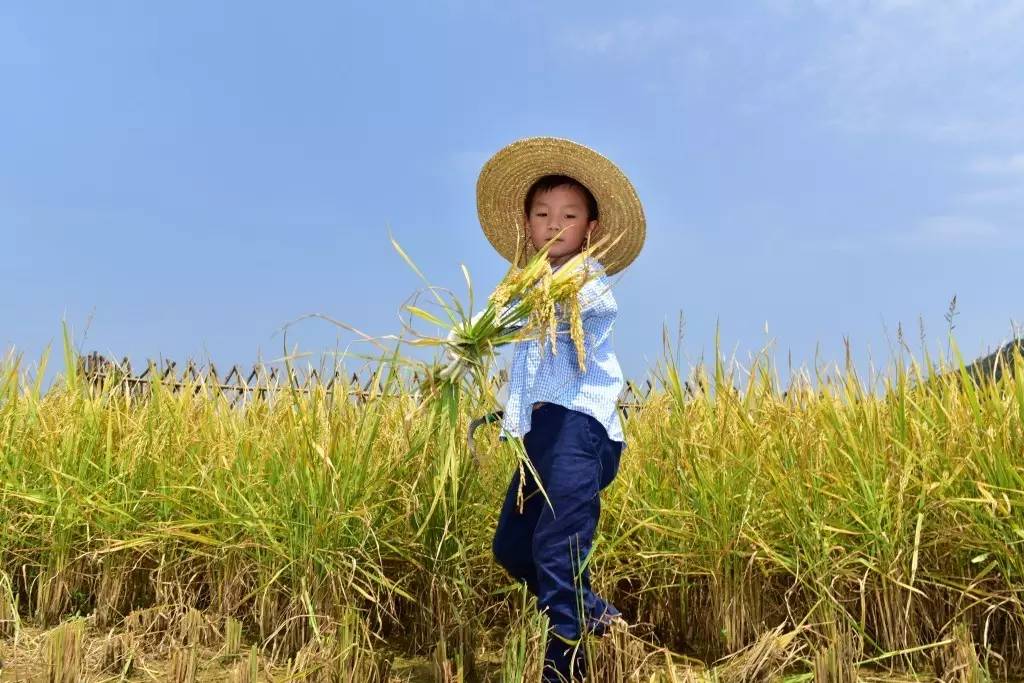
{"type": "Point", "coordinates": [828, 533]}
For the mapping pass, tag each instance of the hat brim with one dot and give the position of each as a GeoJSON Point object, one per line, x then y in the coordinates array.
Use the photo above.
{"type": "Point", "coordinates": [508, 175]}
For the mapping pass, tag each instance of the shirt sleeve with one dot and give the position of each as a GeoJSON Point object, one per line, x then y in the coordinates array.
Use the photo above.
{"type": "Point", "coordinates": [596, 299]}
{"type": "Point", "coordinates": [598, 311]}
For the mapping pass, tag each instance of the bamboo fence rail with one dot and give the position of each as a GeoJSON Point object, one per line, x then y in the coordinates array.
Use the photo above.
{"type": "Point", "coordinates": [260, 381]}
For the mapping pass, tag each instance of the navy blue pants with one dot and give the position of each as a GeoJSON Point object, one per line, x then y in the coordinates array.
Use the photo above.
{"type": "Point", "coordinates": [545, 547]}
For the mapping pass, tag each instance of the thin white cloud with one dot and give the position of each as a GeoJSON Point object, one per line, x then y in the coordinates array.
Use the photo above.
{"type": "Point", "coordinates": [1009, 194]}
{"type": "Point", "coordinates": [943, 231]}
{"type": "Point", "coordinates": [669, 52]}
{"type": "Point", "coordinates": [1008, 165]}
{"type": "Point", "coordinates": [948, 71]}
{"type": "Point", "coordinates": [942, 70]}
{"type": "Point", "coordinates": [1005, 175]}
{"type": "Point", "coordinates": [956, 228]}
{"type": "Point", "coordinates": [954, 231]}
{"type": "Point", "coordinates": [628, 38]}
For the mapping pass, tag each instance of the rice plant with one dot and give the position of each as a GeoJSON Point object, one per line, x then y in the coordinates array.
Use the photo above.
{"type": "Point", "coordinates": [856, 524]}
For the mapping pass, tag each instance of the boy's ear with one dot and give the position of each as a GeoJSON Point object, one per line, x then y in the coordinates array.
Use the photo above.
{"type": "Point", "coordinates": [526, 230]}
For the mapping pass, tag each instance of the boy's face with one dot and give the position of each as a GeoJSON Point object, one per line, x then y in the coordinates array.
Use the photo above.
{"type": "Point", "coordinates": [559, 207]}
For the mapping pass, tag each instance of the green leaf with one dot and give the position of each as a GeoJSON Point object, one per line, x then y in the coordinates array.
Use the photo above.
{"type": "Point", "coordinates": [429, 317]}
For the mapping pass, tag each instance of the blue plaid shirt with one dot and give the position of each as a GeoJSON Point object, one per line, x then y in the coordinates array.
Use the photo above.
{"type": "Point", "coordinates": [537, 374]}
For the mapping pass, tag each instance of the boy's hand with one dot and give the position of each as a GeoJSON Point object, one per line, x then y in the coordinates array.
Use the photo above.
{"type": "Point", "coordinates": [453, 335]}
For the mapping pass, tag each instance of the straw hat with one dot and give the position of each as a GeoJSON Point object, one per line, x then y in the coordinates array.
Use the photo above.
{"type": "Point", "coordinates": [506, 178]}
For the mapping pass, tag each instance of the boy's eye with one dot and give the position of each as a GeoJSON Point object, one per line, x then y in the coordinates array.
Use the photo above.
{"type": "Point", "coordinates": [569, 215]}
{"type": "Point", "coordinates": [541, 213]}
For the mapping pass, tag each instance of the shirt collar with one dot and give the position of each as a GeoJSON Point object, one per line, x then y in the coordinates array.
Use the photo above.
{"type": "Point", "coordinates": [588, 261]}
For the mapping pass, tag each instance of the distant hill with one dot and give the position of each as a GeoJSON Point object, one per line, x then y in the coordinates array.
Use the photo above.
{"type": "Point", "coordinates": [999, 362]}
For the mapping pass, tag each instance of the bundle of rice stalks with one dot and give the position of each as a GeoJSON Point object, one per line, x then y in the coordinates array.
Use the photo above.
{"type": "Point", "coordinates": [119, 653]}
{"type": "Point", "coordinates": [194, 628]}
{"type": "Point", "coordinates": [957, 661]}
{"type": "Point", "coordinates": [232, 637]}
{"type": "Point", "coordinates": [766, 659]}
{"type": "Point", "coordinates": [340, 653]}
{"type": "Point", "coordinates": [528, 303]}
{"type": "Point", "coordinates": [247, 670]}
{"type": "Point", "coordinates": [621, 657]}
{"type": "Point", "coordinates": [836, 661]}
{"type": "Point", "coordinates": [9, 619]}
{"type": "Point", "coordinates": [525, 641]}
{"type": "Point", "coordinates": [184, 664]}
{"type": "Point", "coordinates": [65, 652]}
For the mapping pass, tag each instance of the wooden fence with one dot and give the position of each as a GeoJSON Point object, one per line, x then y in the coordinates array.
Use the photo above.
{"type": "Point", "coordinates": [260, 381]}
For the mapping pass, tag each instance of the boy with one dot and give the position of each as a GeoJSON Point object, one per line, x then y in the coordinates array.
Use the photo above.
{"type": "Point", "coordinates": [568, 419]}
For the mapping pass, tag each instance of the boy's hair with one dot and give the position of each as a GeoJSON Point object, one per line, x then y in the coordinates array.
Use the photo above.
{"type": "Point", "coordinates": [550, 182]}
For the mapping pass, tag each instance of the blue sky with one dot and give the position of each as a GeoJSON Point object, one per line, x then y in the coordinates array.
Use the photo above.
{"type": "Point", "coordinates": [188, 177]}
